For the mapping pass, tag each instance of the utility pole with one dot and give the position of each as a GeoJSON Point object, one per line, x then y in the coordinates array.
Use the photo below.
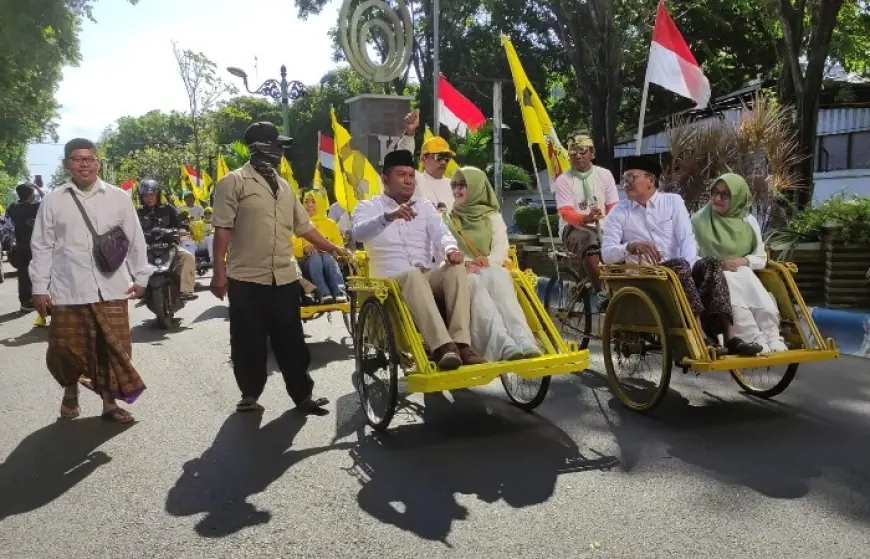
{"type": "Point", "coordinates": [497, 161]}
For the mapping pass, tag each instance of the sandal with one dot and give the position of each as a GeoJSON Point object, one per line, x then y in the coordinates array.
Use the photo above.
{"type": "Point", "coordinates": [118, 415]}
{"type": "Point", "coordinates": [313, 405]}
{"type": "Point", "coordinates": [69, 407]}
{"type": "Point", "coordinates": [248, 405]}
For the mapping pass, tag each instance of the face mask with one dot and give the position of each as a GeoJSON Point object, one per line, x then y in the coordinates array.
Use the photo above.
{"type": "Point", "coordinates": [266, 152]}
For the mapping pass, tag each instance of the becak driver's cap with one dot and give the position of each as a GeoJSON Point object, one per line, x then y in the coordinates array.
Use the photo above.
{"type": "Point", "coordinates": [579, 141]}
{"type": "Point", "coordinates": [436, 145]}
{"type": "Point", "coordinates": [266, 133]}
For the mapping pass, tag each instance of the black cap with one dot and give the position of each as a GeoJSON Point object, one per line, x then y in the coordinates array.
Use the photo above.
{"type": "Point", "coordinates": [267, 133]}
{"type": "Point", "coordinates": [398, 158]}
{"type": "Point", "coordinates": [649, 165]}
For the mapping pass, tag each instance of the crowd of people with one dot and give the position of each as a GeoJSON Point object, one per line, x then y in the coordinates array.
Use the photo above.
{"type": "Point", "coordinates": [442, 239]}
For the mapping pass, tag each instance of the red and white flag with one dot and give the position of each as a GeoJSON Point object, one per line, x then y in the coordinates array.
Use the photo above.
{"type": "Point", "coordinates": [455, 111]}
{"type": "Point", "coordinates": [671, 63]}
{"type": "Point", "coordinates": [326, 151]}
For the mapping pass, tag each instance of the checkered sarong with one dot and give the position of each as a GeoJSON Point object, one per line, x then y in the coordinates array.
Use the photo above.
{"type": "Point", "coordinates": [91, 345]}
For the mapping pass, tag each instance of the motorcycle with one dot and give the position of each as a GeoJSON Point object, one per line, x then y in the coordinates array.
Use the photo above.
{"type": "Point", "coordinates": [163, 293]}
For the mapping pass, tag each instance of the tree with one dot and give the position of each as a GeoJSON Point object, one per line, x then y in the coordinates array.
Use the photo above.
{"type": "Point", "coordinates": [154, 128]}
{"type": "Point", "coordinates": [37, 38]}
{"type": "Point", "coordinates": [807, 32]}
{"type": "Point", "coordinates": [231, 119]}
{"type": "Point", "coordinates": [204, 88]}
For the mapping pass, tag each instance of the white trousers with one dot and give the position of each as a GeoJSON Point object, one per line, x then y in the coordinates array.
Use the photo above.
{"type": "Point", "coordinates": [498, 325]}
{"type": "Point", "coordinates": [760, 326]}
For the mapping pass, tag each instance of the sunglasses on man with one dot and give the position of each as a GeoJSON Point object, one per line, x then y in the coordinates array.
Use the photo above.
{"type": "Point", "coordinates": [442, 157]}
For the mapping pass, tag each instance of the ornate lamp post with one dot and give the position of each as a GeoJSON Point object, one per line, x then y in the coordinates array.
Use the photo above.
{"type": "Point", "coordinates": [283, 90]}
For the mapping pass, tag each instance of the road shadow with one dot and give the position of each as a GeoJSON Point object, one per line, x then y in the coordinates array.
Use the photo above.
{"type": "Point", "coordinates": [33, 336]}
{"type": "Point", "coordinates": [328, 351]}
{"type": "Point", "coordinates": [51, 461]}
{"type": "Point", "coordinates": [10, 316]}
{"type": "Point", "coordinates": [475, 445]}
{"type": "Point", "coordinates": [148, 332]}
{"type": "Point", "coordinates": [244, 460]}
{"type": "Point", "coordinates": [775, 449]}
{"type": "Point", "coordinates": [214, 313]}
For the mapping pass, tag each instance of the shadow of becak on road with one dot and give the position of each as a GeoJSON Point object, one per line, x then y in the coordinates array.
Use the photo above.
{"type": "Point", "coordinates": [51, 461]}
{"type": "Point", "coordinates": [776, 449]}
{"type": "Point", "coordinates": [477, 445]}
{"type": "Point", "coordinates": [244, 460]}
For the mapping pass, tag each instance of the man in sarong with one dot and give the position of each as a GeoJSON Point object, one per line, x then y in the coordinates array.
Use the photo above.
{"type": "Point", "coordinates": [89, 337]}
{"type": "Point", "coordinates": [653, 227]}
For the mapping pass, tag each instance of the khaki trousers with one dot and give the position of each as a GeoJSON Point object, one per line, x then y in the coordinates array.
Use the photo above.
{"type": "Point", "coordinates": [450, 283]}
{"type": "Point", "coordinates": [187, 271]}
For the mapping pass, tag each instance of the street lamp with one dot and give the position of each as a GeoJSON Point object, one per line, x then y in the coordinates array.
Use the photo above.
{"type": "Point", "coordinates": [275, 89]}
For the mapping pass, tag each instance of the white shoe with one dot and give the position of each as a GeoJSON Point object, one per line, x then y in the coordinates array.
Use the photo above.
{"type": "Point", "coordinates": [778, 345]}
{"type": "Point", "coordinates": [511, 353]}
{"type": "Point", "coordinates": [765, 349]}
{"type": "Point", "coordinates": [531, 350]}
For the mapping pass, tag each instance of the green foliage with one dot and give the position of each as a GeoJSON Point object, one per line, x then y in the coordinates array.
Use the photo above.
{"type": "Point", "coordinates": [527, 219]}
{"type": "Point", "coordinates": [554, 226]}
{"type": "Point", "coordinates": [851, 215]}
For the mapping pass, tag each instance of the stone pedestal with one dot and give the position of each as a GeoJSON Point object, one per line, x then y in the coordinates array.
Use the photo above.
{"type": "Point", "coordinates": [377, 123]}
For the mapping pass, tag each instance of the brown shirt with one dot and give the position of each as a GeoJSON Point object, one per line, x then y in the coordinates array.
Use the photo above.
{"type": "Point", "coordinates": [260, 247]}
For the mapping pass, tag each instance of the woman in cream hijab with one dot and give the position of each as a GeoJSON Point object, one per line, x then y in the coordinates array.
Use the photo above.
{"type": "Point", "coordinates": [498, 326]}
{"type": "Point", "coordinates": [726, 231]}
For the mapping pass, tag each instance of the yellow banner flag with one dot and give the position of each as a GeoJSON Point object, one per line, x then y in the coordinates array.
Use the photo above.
{"type": "Point", "coordinates": [539, 127]}
{"type": "Point", "coordinates": [361, 180]}
{"type": "Point", "coordinates": [452, 167]}
{"type": "Point", "coordinates": [286, 173]}
{"type": "Point", "coordinates": [189, 183]}
{"type": "Point", "coordinates": [222, 169]}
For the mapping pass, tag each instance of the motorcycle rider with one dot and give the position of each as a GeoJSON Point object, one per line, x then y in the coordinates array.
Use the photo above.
{"type": "Point", "coordinates": [153, 215]}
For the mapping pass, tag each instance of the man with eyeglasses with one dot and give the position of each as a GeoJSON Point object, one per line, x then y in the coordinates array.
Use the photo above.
{"type": "Point", "coordinates": [89, 339]}
{"type": "Point", "coordinates": [583, 195]}
{"type": "Point", "coordinates": [654, 228]}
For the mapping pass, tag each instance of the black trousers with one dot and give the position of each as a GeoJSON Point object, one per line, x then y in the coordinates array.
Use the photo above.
{"type": "Point", "coordinates": [25, 286]}
{"type": "Point", "coordinates": [268, 312]}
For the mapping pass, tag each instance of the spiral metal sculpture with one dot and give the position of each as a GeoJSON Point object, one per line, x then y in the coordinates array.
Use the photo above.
{"type": "Point", "coordinates": [394, 26]}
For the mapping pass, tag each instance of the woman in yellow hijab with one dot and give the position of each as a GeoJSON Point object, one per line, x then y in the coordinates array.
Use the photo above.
{"type": "Point", "coordinates": [321, 267]}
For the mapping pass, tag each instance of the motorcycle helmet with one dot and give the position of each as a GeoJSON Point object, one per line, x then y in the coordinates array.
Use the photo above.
{"type": "Point", "coordinates": [149, 186]}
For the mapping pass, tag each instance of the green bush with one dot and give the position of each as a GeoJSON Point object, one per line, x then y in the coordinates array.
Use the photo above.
{"type": "Point", "coordinates": [554, 226]}
{"type": "Point", "coordinates": [527, 218]}
{"type": "Point", "coordinates": [851, 214]}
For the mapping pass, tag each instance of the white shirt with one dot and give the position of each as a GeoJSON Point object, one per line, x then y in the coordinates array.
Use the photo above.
{"type": "Point", "coordinates": [63, 251]}
{"type": "Point", "coordinates": [570, 193]}
{"type": "Point", "coordinates": [435, 190]}
{"type": "Point", "coordinates": [394, 248]}
{"type": "Point", "coordinates": [196, 212]}
{"type": "Point", "coordinates": [664, 221]}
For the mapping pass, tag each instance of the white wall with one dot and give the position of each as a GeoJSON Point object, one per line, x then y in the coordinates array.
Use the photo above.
{"type": "Point", "coordinates": [850, 182]}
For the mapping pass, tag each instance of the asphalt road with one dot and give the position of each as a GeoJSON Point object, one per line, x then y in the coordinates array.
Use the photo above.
{"type": "Point", "coordinates": [711, 473]}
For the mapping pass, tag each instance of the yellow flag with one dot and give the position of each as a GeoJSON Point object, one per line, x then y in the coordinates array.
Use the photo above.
{"type": "Point", "coordinates": [2, 209]}
{"type": "Point", "coordinates": [452, 167]}
{"type": "Point", "coordinates": [222, 169]}
{"type": "Point", "coordinates": [286, 172]}
{"type": "Point", "coordinates": [207, 187]}
{"type": "Point", "coordinates": [361, 180]}
{"type": "Point", "coordinates": [539, 127]}
{"type": "Point", "coordinates": [190, 184]}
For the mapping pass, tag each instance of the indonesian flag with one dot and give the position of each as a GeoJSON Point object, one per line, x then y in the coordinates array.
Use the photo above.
{"type": "Point", "coordinates": [455, 111]}
{"type": "Point", "coordinates": [671, 64]}
{"type": "Point", "coordinates": [326, 152]}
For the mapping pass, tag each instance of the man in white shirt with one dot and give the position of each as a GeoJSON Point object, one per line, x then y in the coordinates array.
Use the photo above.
{"type": "Point", "coordinates": [401, 236]}
{"type": "Point", "coordinates": [195, 210]}
{"type": "Point", "coordinates": [653, 227]}
{"type": "Point", "coordinates": [89, 338]}
{"type": "Point", "coordinates": [583, 195]}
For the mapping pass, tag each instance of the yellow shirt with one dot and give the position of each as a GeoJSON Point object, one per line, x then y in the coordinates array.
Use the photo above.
{"type": "Point", "coordinates": [326, 227]}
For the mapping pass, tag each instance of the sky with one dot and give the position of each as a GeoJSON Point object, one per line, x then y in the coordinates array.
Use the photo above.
{"type": "Point", "coordinates": [128, 67]}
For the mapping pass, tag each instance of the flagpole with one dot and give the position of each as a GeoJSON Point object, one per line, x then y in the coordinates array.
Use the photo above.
{"type": "Point", "coordinates": [639, 139]}
{"type": "Point", "coordinates": [546, 216]}
{"type": "Point", "coordinates": [436, 64]}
